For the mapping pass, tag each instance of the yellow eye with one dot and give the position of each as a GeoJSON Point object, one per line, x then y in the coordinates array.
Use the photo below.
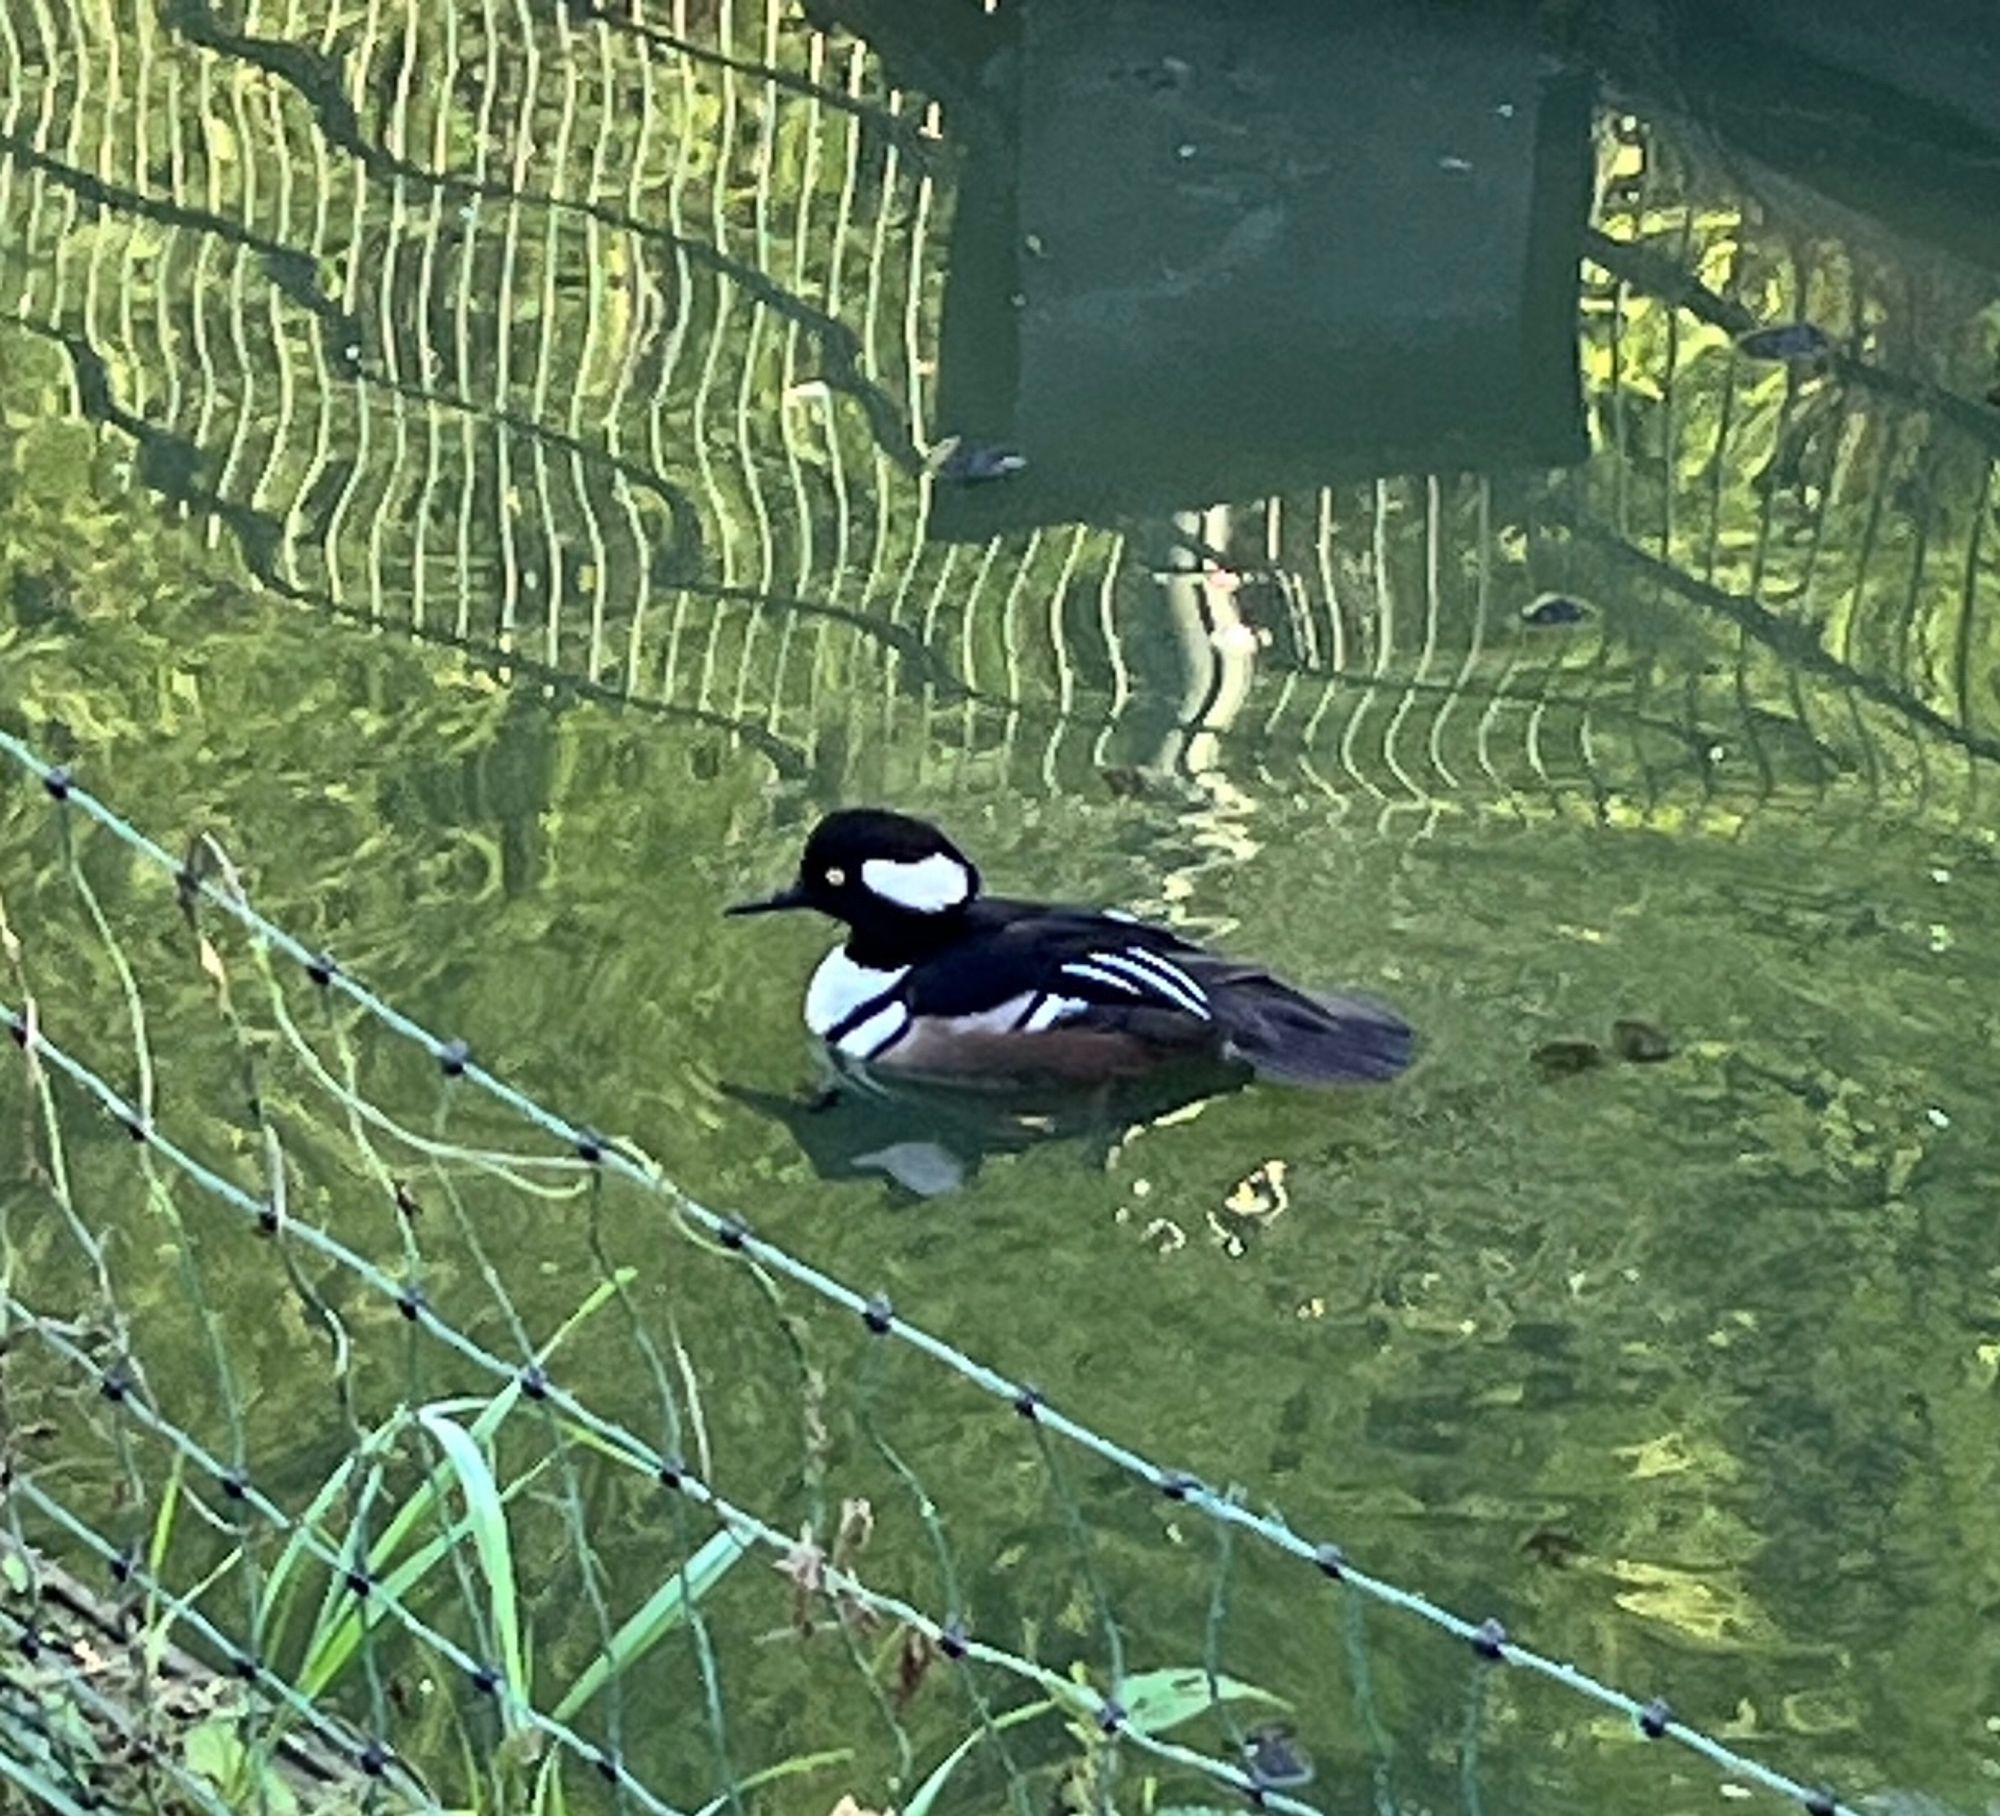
{"type": "Point", "coordinates": [836, 877]}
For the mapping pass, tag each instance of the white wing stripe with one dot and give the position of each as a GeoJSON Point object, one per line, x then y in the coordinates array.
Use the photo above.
{"type": "Point", "coordinates": [1161, 978]}
{"type": "Point", "coordinates": [1097, 974]}
{"type": "Point", "coordinates": [1172, 975]}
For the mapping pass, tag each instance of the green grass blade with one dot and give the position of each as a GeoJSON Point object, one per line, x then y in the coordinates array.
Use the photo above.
{"type": "Point", "coordinates": [785, 1768]}
{"type": "Point", "coordinates": [333, 1601]}
{"type": "Point", "coordinates": [548, 1797]}
{"type": "Point", "coordinates": [331, 1652]}
{"type": "Point", "coordinates": [664, 1610]}
{"type": "Point", "coordinates": [341, 1621]}
{"type": "Point", "coordinates": [339, 1625]}
{"type": "Point", "coordinates": [163, 1519]}
{"type": "Point", "coordinates": [487, 1515]}
{"type": "Point", "coordinates": [492, 1415]}
{"type": "Point", "coordinates": [929, 1791]}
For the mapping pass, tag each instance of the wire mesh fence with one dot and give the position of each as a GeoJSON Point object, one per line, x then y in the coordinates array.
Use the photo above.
{"type": "Point", "coordinates": [463, 1521]}
{"type": "Point", "coordinates": [604, 361]}
{"type": "Point", "coordinates": [298, 1560]}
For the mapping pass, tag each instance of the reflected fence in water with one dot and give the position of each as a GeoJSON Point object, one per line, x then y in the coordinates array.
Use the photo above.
{"type": "Point", "coordinates": [610, 362]}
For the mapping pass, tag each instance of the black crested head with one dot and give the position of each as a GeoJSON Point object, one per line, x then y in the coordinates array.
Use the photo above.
{"type": "Point", "coordinates": [880, 872]}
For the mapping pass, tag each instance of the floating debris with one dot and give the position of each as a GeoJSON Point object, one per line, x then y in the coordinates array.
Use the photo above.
{"type": "Point", "coordinates": [1641, 1042]}
{"type": "Point", "coordinates": [1549, 610]}
{"type": "Point", "coordinates": [1273, 1756]}
{"type": "Point", "coordinates": [1259, 1197]}
{"type": "Point", "coordinates": [1796, 343]}
{"type": "Point", "coordinates": [1131, 782]}
{"type": "Point", "coordinates": [1566, 1058]}
{"type": "Point", "coordinates": [970, 462]}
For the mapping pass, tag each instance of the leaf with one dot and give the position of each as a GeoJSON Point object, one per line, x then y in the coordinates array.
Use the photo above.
{"type": "Point", "coordinates": [214, 970]}
{"type": "Point", "coordinates": [276, 1796]}
{"type": "Point", "coordinates": [213, 1751]}
{"type": "Point", "coordinates": [664, 1610]}
{"type": "Point", "coordinates": [488, 1518]}
{"type": "Point", "coordinates": [14, 1571]}
{"type": "Point", "coordinates": [1155, 1701]}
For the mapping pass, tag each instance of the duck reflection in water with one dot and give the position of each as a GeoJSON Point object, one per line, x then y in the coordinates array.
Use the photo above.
{"type": "Point", "coordinates": [928, 1139]}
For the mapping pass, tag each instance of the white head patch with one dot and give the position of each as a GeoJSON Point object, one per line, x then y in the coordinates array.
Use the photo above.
{"type": "Point", "coordinates": [929, 886]}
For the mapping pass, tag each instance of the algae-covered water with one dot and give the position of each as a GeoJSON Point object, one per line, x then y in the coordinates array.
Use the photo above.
{"type": "Point", "coordinates": [467, 469]}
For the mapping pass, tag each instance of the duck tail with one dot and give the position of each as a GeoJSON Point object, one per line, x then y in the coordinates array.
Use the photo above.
{"type": "Point", "coordinates": [1291, 1038]}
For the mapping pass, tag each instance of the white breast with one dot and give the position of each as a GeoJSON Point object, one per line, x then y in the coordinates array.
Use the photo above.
{"type": "Point", "coordinates": [840, 986]}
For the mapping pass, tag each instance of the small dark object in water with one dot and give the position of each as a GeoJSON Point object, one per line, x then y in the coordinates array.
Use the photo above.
{"type": "Point", "coordinates": [1641, 1042]}
{"type": "Point", "coordinates": [1565, 1058]}
{"type": "Point", "coordinates": [968, 462]}
{"type": "Point", "coordinates": [1993, 396]}
{"type": "Point", "coordinates": [1132, 783]}
{"type": "Point", "coordinates": [1552, 609]}
{"type": "Point", "coordinates": [1793, 342]}
{"type": "Point", "coordinates": [1275, 1759]}
{"type": "Point", "coordinates": [1555, 1546]}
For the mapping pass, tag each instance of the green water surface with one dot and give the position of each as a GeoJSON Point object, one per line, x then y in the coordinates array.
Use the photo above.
{"type": "Point", "coordinates": [469, 464]}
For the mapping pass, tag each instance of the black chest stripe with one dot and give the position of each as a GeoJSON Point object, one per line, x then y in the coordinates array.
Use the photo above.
{"type": "Point", "coordinates": [861, 1012]}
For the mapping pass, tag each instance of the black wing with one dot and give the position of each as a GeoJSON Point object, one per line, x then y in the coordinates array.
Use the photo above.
{"type": "Point", "coordinates": [1020, 951]}
{"type": "Point", "coordinates": [1128, 974]}
{"type": "Point", "coordinates": [1293, 1037]}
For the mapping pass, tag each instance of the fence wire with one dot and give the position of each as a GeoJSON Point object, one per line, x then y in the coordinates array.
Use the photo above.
{"type": "Point", "coordinates": [164, 1472]}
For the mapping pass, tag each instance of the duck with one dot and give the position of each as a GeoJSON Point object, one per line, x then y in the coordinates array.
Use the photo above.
{"type": "Point", "coordinates": [938, 981]}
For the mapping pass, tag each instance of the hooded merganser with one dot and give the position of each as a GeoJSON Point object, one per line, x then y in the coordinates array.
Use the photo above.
{"type": "Point", "coordinates": [936, 980]}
